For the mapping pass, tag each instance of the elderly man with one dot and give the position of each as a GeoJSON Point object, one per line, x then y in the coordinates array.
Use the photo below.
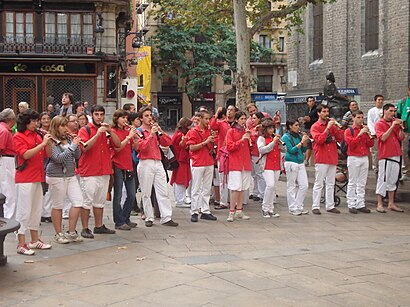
{"type": "Point", "coordinates": [7, 167]}
{"type": "Point", "coordinates": [23, 106]}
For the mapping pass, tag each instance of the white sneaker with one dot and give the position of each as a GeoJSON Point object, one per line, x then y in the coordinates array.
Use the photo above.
{"type": "Point", "coordinates": [265, 214]}
{"type": "Point", "coordinates": [274, 214]}
{"type": "Point", "coordinates": [187, 200]}
{"type": "Point", "coordinates": [24, 250]}
{"type": "Point", "coordinates": [186, 205]}
{"type": "Point", "coordinates": [241, 216]}
{"type": "Point", "coordinates": [231, 217]}
{"type": "Point", "coordinates": [73, 236]}
{"type": "Point", "coordinates": [60, 238]}
{"type": "Point", "coordinates": [39, 245]}
{"type": "Point", "coordinates": [304, 212]}
{"type": "Point", "coordinates": [65, 214]}
{"type": "Point", "coordinates": [297, 212]}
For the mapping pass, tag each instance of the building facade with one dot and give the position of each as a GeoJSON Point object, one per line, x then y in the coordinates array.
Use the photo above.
{"type": "Point", "coordinates": [364, 42]}
{"type": "Point", "coordinates": [49, 47]}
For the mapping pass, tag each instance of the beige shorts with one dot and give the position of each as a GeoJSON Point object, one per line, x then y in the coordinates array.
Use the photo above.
{"type": "Point", "coordinates": [60, 188]}
{"type": "Point", "coordinates": [239, 181]}
{"type": "Point", "coordinates": [94, 189]}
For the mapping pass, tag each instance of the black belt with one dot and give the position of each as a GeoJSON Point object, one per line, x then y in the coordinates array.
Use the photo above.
{"type": "Point", "coordinates": [3, 155]}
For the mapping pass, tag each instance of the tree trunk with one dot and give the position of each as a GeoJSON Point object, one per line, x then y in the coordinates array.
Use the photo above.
{"type": "Point", "coordinates": [243, 75]}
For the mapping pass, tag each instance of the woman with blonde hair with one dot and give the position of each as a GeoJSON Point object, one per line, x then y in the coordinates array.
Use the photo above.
{"type": "Point", "coordinates": [60, 176]}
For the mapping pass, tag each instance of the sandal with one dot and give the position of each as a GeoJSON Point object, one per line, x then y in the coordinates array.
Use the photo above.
{"type": "Point", "coordinates": [220, 207]}
{"type": "Point", "coordinates": [381, 210]}
{"type": "Point", "coordinates": [396, 209]}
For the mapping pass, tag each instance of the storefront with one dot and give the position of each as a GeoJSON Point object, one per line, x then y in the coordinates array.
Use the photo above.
{"type": "Point", "coordinates": [270, 103]}
{"type": "Point", "coordinates": [40, 82]}
{"type": "Point", "coordinates": [205, 99]}
{"type": "Point", "coordinates": [169, 109]}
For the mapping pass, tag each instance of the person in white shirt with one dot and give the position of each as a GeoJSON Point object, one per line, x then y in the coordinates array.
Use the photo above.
{"type": "Point", "coordinates": [373, 115]}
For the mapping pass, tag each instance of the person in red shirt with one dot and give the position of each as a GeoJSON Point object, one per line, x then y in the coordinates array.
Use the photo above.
{"type": "Point", "coordinates": [151, 171]}
{"type": "Point", "coordinates": [201, 142]}
{"type": "Point", "coordinates": [252, 109]}
{"type": "Point", "coordinates": [123, 171]}
{"type": "Point", "coordinates": [7, 167]}
{"type": "Point", "coordinates": [238, 142]}
{"type": "Point", "coordinates": [221, 126]}
{"type": "Point", "coordinates": [95, 169]}
{"type": "Point", "coordinates": [389, 133]}
{"type": "Point", "coordinates": [325, 135]}
{"type": "Point", "coordinates": [269, 163]}
{"type": "Point", "coordinates": [359, 143]}
{"type": "Point", "coordinates": [31, 151]}
{"type": "Point", "coordinates": [181, 177]}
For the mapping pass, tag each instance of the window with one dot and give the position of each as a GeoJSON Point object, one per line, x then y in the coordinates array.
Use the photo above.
{"type": "Point", "coordinates": [371, 25]}
{"type": "Point", "coordinates": [264, 83]}
{"type": "Point", "coordinates": [65, 28]}
{"type": "Point", "coordinates": [19, 28]}
{"type": "Point", "coordinates": [227, 77]}
{"type": "Point", "coordinates": [318, 32]}
{"type": "Point", "coordinates": [264, 40]}
{"type": "Point", "coordinates": [281, 44]}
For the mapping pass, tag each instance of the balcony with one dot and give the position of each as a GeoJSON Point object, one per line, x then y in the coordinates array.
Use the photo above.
{"type": "Point", "coordinates": [62, 45]}
{"type": "Point", "coordinates": [272, 59]}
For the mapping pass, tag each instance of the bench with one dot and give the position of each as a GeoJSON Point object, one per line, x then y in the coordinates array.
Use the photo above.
{"type": "Point", "coordinates": [6, 226]}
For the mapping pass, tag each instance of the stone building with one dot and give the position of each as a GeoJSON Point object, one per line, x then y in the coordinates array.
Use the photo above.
{"type": "Point", "coordinates": [364, 42]}
{"type": "Point", "coordinates": [48, 47]}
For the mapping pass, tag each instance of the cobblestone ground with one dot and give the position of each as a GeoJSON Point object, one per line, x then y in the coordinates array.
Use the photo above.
{"type": "Point", "coordinates": [327, 260]}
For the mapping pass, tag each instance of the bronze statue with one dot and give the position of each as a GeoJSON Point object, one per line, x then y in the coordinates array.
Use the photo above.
{"type": "Point", "coordinates": [338, 104]}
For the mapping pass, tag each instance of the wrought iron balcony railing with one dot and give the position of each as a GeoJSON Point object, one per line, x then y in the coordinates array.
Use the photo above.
{"type": "Point", "coordinates": [47, 45]}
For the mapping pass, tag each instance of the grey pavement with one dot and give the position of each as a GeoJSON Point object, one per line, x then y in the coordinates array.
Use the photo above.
{"type": "Point", "coordinates": [327, 260]}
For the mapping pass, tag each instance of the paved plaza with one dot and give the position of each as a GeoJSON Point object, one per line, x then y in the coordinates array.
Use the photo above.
{"type": "Point", "coordinates": [327, 260]}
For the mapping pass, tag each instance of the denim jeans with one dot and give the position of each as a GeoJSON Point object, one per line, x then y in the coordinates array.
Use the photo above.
{"type": "Point", "coordinates": [122, 213]}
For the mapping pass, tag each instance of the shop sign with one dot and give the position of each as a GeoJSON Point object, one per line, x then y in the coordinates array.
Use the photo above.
{"type": "Point", "coordinates": [169, 100]}
{"type": "Point", "coordinates": [47, 68]}
{"type": "Point", "coordinates": [264, 97]}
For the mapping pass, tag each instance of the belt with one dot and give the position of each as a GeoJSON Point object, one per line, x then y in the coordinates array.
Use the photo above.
{"type": "Point", "coordinates": [3, 155]}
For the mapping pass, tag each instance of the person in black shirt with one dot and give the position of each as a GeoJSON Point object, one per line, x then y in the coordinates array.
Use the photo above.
{"type": "Point", "coordinates": [310, 118]}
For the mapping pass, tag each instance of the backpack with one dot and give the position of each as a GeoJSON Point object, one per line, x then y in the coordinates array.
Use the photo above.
{"type": "Point", "coordinates": [344, 146]}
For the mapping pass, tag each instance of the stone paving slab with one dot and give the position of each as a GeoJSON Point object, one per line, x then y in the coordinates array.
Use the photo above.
{"type": "Point", "coordinates": [327, 260]}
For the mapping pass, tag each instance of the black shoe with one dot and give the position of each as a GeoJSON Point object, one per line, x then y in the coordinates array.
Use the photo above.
{"type": "Point", "coordinates": [170, 223]}
{"type": "Point", "coordinates": [46, 219]}
{"type": "Point", "coordinates": [148, 223]}
{"type": "Point", "coordinates": [353, 210]}
{"type": "Point", "coordinates": [251, 196]}
{"type": "Point", "coordinates": [256, 198]}
{"type": "Point", "coordinates": [86, 233]}
{"type": "Point", "coordinates": [132, 224]}
{"type": "Point", "coordinates": [334, 210]}
{"type": "Point", "coordinates": [364, 210]}
{"type": "Point", "coordinates": [208, 216]}
{"type": "Point", "coordinates": [194, 217]}
{"type": "Point", "coordinates": [123, 227]}
{"type": "Point", "coordinates": [103, 230]}
{"type": "Point", "coordinates": [316, 211]}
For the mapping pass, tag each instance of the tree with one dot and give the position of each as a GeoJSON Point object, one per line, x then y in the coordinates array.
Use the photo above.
{"type": "Point", "coordinates": [259, 13]}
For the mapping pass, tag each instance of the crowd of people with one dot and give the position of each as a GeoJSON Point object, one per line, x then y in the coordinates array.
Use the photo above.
{"type": "Point", "coordinates": [63, 164]}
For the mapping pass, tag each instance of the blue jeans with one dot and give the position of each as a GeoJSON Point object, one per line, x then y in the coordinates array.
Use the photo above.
{"type": "Point", "coordinates": [122, 214]}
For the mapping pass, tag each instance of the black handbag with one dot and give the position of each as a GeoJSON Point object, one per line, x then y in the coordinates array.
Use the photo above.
{"type": "Point", "coordinates": [171, 163]}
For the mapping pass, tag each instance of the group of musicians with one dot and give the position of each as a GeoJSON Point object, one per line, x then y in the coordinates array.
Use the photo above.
{"type": "Point", "coordinates": [224, 152]}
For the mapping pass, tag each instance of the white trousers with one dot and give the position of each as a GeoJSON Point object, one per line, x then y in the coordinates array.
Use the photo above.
{"type": "Point", "coordinates": [388, 175]}
{"type": "Point", "coordinates": [259, 184]}
{"type": "Point", "coordinates": [201, 188]}
{"type": "Point", "coordinates": [269, 196]}
{"type": "Point", "coordinates": [152, 173]}
{"type": "Point", "coordinates": [29, 205]}
{"type": "Point", "coordinates": [296, 173]}
{"type": "Point", "coordinates": [179, 193]}
{"type": "Point", "coordinates": [223, 189]}
{"type": "Point", "coordinates": [46, 212]}
{"type": "Point", "coordinates": [8, 186]}
{"type": "Point", "coordinates": [358, 168]}
{"type": "Point", "coordinates": [327, 173]}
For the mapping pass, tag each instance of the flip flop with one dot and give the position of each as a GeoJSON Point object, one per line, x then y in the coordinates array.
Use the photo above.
{"type": "Point", "coordinates": [396, 209]}
{"type": "Point", "coordinates": [220, 207]}
{"type": "Point", "coordinates": [381, 210]}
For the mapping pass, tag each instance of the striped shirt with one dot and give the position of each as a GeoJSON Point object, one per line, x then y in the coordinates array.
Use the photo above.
{"type": "Point", "coordinates": [62, 160]}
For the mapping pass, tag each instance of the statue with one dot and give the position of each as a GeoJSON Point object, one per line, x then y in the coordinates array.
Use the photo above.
{"type": "Point", "coordinates": [338, 104]}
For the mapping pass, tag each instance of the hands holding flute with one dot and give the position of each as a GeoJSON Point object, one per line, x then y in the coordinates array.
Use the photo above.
{"type": "Point", "coordinates": [47, 137]}
{"type": "Point", "coordinates": [76, 140]}
{"type": "Point", "coordinates": [332, 121]}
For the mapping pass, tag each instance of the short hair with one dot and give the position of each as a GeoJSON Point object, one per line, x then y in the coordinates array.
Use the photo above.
{"type": "Point", "coordinates": [239, 114]}
{"type": "Point", "coordinates": [252, 104]}
{"type": "Point", "coordinates": [357, 112]}
{"type": "Point", "coordinates": [117, 114]}
{"type": "Point", "coordinates": [76, 105]}
{"type": "Point", "coordinates": [183, 123]}
{"type": "Point", "coordinates": [41, 116]}
{"type": "Point", "coordinates": [259, 115]}
{"type": "Point", "coordinates": [70, 96]}
{"type": "Point", "coordinates": [133, 116]}
{"type": "Point", "coordinates": [388, 106]}
{"type": "Point", "coordinates": [56, 122]}
{"type": "Point", "coordinates": [290, 122]}
{"type": "Point", "coordinates": [144, 109]}
{"type": "Point", "coordinates": [97, 108]}
{"type": "Point", "coordinates": [127, 106]}
{"type": "Point", "coordinates": [321, 107]}
{"type": "Point", "coordinates": [76, 115]}
{"type": "Point", "coordinates": [24, 104]}
{"type": "Point", "coordinates": [235, 108]}
{"type": "Point", "coordinates": [24, 118]}
{"type": "Point", "coordinates": [350, 102]}
{"type": "Point", "coordinates": [377, 96]}
{"type": "Point", "coordinates": [222, 113]}
{"type": "Point", "coordinates": [310, 97]}
{"type": "Point", "coordinates": [7, 115]}
{"type": "Point", "coordinates": [201, 114]}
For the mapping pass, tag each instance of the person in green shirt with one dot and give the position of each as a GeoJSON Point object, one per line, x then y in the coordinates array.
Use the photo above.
{"type": "Point", "coordinates": [403, 112]}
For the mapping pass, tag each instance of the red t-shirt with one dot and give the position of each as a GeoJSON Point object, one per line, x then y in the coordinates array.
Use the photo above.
{"type": "Point", "coordinates": [273, 157]}
{"type": "Point", "coordinates": [6, 140]}
{"type": "Point", "coordinates": [325, 153]}
{"type": "Point", "coordinates": [222, 126]}
{"type": "Point", "coordinates": [254, 138]}
{"type": "Point", "coordinates": [202, 156]}
{"type": "Point", "coordinates": [148, 147]}
{"type": "Point", "coordinates": [358, 146]}
{"type": "Point", "coordinates": [123, 158]}
{"type": "Point", "coordinates": [239, 151]}
{"type": "Point", "coordinates": [391, 147]}
{"type": "Point", "coordinates": [34, 172]}
{"type": "Point", "coordinates": [97, 160]}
